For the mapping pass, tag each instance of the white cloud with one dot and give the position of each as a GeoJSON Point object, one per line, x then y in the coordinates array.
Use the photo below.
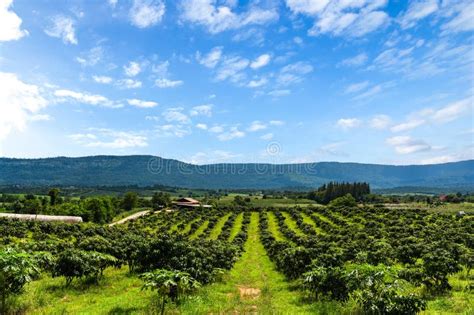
{"type": "Point", "coordinates": [141, 103]}
{"type": "Point", "coordinates": [407, 145]}
{"type": "Point", "coordinates": [102, 79]}
{"type": "Point", "coordinates": [113, 3]}
{"type": "Point", "coordinates": [355, 61]}
{"type": "Point", "coordinates": [293, 73]}
{"type": "Point", "coordinates": [216, 129]}
{"type": "Point", "coordinates": [279, 93]}
{"type": "Point", "coordinates": [373, 91]}
{"type": "Point", "coordinates": [132, 69]}
{"type": "Point", "coordinates": [146, 13]}
{"type": "Point", "coordinates": [416, 11]}
{"type": "Point", "coordinates": [202, 110]}
{"type": "Point", "coordinates": [267, 136]}
{"type": "Point", "coordinates": [466, 153]}
{"type": "Point", "coordinates": [357, 87]}
{"type": "Point", "coordinates": [342, 18]}
{"type": "Point", "coordinates": [176, 115]}
{"type": "Point", "coordinates": [463, 20]}
{"type": "Point", "coordinates": [161, 69]}
{"type": "Point", "coordinates": [442, 115]}
{"type": "Point", "coordinates": [298, 40]}
{"type": "Point", "coordinates": [380, 122]}
{"type": "Point", "coordinates": [257, 83]}
{"type": "Point", "coordinates": [92, 57]}
{"type": "Point", "coordinates": [19, 103]}
{"type": "Point", "coordinates": [152, 118]}
{"type": "Point", "coordinates": [348, 123]}
{"type": "Point", "coordinates": [408, 125]}
{"type": "Point", "coordinates": [201, 126]}
{"type": "Point", "coordinates": [261, 61]}
{"type": "Point", "coordinates": [256, 126]}
{"type": "Point", "coordinates": [277, 122]}
{"type": "Point", "coordinates": [221, 18]}
{"type": "Point", "coordinates": [332, 149]}
{"type": "Point", "coordinates": [40, 117]}
{"type": "Point", "coordinates": [211, 59]}
{"type": "Point", "coordinates": [10, 23]}
{"type": "Point", "coordinates": [217, 156]}
{"type": "Point", "coordinates": [129, 84]}
{"type": "Point", "coordinates": [85, 98]}
{"type": "Point", "coordinates": [309, 7]}
{"type": "Point", "coordinates": [63, 27]}
{"type": "Point", "coordinates": [453, 111]}
{"type": "Point", "coordinates": [166, 83]}
{"type": "Point", "coordinates": [233, 133]}
{"type": "Point", "coordinates": [110, 139]}
{"type": "Point", "coordinates": [231, 68]}
{"type": "Point", "coordinates": [171, 130]}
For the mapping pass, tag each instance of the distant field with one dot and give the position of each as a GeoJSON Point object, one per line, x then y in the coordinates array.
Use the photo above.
{"type": "Point", "coordinates": [453, 208]}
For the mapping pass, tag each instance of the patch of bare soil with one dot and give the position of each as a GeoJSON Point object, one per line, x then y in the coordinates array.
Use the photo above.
{"type": "Point", "coordinates": [249, 293]}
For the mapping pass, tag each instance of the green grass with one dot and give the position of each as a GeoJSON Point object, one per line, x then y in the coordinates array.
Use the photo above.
{"type": "Point", "coordinates": [273, 227]}
{"type": "Point", "coordinates": [292, 224]}
{"type": "Point", "coordinates": [307, 219]}
{"type": "Point", "coordinates": [218, 227]}
{"type": "Point", "coordinates": [199, 230]}
{"type": "Point", "coordinates": [254, 270]}
{"type": "Point", "coordinates": [188, 226]}
{"type": "Point", "coordinates": [236, 227]}
{"type": "Point", "coordinates": [117, 293]}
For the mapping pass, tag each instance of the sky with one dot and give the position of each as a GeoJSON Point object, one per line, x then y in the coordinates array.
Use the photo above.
{"type": "Point", "coordinates": [210, 81]}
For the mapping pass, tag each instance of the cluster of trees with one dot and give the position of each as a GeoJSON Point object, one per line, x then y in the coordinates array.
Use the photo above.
{"type": "Point", "coordinates": [333, 190]}
{"type": "Point", "coordinates": [99, 209]}
{"type": "Point", "coordinates": [371, 255]}
{"type": "Point", "coordinates": [83, 252]}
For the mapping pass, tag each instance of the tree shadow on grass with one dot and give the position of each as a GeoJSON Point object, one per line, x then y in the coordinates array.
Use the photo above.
{"type": "Point", "coordinates": [123, 311]}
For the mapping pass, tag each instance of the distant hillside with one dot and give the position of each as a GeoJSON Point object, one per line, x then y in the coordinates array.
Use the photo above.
{"type": "Point", "coordinates": [149, 170]}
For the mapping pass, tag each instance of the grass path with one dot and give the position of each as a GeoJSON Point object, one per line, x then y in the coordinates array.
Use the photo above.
{"type": "Point", "coordinates": [236, 227]}
{"type": "Point", "coordinates": [307, 219]}
{"type": "Point", "coordinates": [218, 227]}
{"type": "Point", "coordinates": [252, 286]}
{"type": "Point", "coordinates": [292, 224]}
{"type": "Point", "coordinates": [199, 231]}
{"type": "Point", "coordinates": [273, 227]}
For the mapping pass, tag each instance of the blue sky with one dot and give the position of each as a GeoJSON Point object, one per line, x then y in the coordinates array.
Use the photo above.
{"type": "Point", "coordinates": [209, 81]}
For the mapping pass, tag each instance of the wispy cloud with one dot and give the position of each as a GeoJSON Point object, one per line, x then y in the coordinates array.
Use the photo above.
{"type": "Point", "coordinates": [407, 145]}
{"type": "Point", "coordinates": [261, 61]}
{"type": "Point", "coordinates": [146, 13]}
{"type": "Point", "coordinates": [141, 103]}
{"type": "Point", "coordinates": [110, 139]}
{"type": "Point", "coordinates": [220, 18]}
{"type": "Point", "coordinates": [342, 18]}
{"type": "Point", "coordinates": [85, 98]}
{"type": "Point", "coordinates": [348, 123]}
{"type": "Point", "coordinates": [62, 27]}
{"type": "Point", "coordinates": [166, 83]}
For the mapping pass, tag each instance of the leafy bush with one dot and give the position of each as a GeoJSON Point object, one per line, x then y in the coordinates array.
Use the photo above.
{"type": "Point", "coordinates": [76, 264]}
{"type": "Point", "coordinates": [169, 285]}
{"type": "Point", "coordinates": [16, 270]}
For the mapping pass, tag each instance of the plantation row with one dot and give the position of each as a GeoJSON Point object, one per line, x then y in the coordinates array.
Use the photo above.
{"type": "Point", "coordinates": [376, 256]}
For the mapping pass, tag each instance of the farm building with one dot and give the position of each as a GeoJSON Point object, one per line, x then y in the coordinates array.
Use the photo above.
{"type": "Point", "coordinates": [41, 217]}
{"type": "Point", "coordinates": [189, 203]}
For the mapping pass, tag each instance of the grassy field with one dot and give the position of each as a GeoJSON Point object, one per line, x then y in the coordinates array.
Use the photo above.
{"type": "Point", "coordinates": [252, 286]}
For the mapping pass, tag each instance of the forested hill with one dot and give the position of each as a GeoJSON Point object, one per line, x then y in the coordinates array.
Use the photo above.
{"type": "Point", "coordinates": [148, 170]}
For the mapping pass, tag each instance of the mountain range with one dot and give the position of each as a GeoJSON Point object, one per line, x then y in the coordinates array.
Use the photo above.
{"type": "Point", "coordinates": [144, 170]}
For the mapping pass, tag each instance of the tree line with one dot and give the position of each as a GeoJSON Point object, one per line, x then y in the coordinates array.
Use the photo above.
{"type": "Point", "coordinates": [328, 192]}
